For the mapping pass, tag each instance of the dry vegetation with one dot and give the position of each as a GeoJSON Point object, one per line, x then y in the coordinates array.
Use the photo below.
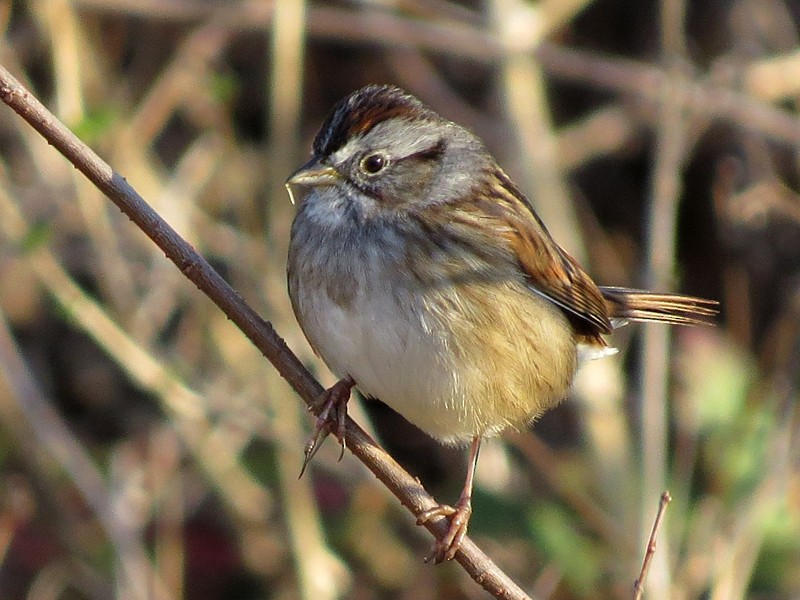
{"type": "Point", "coordinates": [147, 450]}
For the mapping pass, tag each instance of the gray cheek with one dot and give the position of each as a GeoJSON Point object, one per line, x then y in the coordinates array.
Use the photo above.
{"type": "Point", "coordinates": [410, 184]}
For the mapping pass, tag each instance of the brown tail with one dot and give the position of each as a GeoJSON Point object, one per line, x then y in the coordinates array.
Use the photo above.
{"type": "Point", "coordinates": [638, 305]}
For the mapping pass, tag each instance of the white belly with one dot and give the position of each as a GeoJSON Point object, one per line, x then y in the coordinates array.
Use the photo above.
{"type": "Point", "coordinates": [392, 353]}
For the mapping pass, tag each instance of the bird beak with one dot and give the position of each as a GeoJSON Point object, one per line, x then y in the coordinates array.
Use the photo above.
{"type": "Point", "coordinates": [312, 174]}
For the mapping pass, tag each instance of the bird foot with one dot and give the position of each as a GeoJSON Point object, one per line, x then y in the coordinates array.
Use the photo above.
{"type": "Point", "coordinates": [446, 548]}
{"type": "Point", "coordinates": [333, 413]}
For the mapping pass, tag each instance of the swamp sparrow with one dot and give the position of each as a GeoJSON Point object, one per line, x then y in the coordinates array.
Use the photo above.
{"type": "Point", "coordinates": [422, 276]}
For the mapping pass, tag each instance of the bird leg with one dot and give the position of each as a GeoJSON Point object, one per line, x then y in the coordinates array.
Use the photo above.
{"type": "Point", "coordinates": [333, 412]}
{"type": "Point", "coordinates": [446, 548]}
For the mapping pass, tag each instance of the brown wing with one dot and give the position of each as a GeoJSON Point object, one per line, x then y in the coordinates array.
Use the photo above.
{"type": "Point", "coordinates": [551, 271]}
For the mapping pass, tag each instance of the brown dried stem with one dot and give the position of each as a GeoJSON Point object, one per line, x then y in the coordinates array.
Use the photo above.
{"type": "Point", "coordinates": [260, 332]}
{"type": "Point", "coordinates": [638, 585]}
{"type": "Point", "coordinates": [748, 108]}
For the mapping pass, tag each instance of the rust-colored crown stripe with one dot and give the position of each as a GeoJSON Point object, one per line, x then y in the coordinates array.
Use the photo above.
{"type": "Point", "coordinates": [360, 112]}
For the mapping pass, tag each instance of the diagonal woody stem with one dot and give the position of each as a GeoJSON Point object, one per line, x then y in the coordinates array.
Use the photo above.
{"type": "Point", "coordinates": [260, 332]}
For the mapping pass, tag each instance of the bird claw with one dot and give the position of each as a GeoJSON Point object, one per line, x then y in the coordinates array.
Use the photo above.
{"type": "Point", "coordinates": [448, 546]}
{"type": "Point", "coordinates": [333, 411]}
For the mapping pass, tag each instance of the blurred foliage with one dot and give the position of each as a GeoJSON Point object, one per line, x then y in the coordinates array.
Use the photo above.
{"type": "Point", "coordinates": [147, 450]}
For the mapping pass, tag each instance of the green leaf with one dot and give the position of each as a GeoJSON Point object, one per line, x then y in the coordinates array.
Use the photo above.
{"type": "Point", "coordinates": [95, 124]}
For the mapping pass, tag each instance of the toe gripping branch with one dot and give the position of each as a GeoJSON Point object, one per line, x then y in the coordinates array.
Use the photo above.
{"type": "Point", "coordinates": [332, 417]}
{"type": "Point", "coordinates": [446, 548]}
{"type": "Point", "coordinates": [333, 413]}
{"type": "Point", "coordinates": [449, 545]}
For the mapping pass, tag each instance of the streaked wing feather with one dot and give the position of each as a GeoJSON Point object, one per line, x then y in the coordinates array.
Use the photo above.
{"type": "Point", "coordinates": [555, 275]}
{"type": "Point", "coordinates": [552, 272]}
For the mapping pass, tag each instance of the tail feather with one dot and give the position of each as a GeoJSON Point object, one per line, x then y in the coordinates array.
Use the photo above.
{"type": "Point", "coordinates": [677, 309]}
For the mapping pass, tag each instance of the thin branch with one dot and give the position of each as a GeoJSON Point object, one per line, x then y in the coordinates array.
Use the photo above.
{"type": "Point", "coordinates": [703, 98]}
{"type": "Point", "coordinates": [638, 585]}
{"type": "Point", "coordinates": [260, 332]}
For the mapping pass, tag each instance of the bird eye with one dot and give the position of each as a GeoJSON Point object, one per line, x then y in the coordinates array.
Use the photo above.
{"type": "Point", "coordinates": [373, 163]}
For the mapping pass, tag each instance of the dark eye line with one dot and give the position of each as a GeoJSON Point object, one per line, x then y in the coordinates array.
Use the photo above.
{"type": "Point", "coordinates": [433, 153]}
{"type": "Point", "coordinates": [428, 154]}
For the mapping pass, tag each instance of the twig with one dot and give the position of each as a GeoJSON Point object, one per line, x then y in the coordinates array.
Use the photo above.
{"type": "Point", "coordinates": [260, 332]}
{"type": "Point", "coordinates": [703, 99]}
{"type": "Point", "coordinates": [638, 585]}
